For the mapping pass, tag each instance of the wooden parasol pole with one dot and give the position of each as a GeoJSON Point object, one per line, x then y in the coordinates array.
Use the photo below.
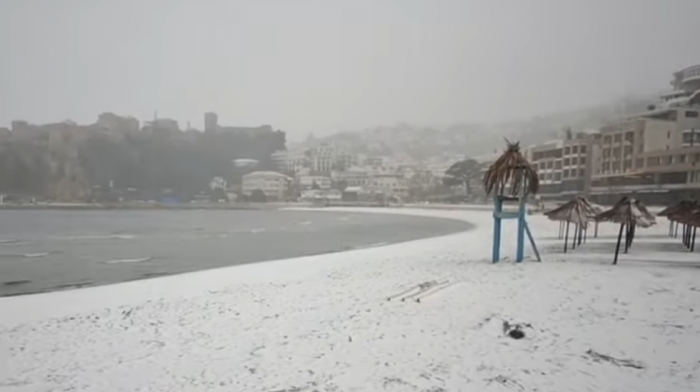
{"type": "Point", "coordinates": [619, 239]}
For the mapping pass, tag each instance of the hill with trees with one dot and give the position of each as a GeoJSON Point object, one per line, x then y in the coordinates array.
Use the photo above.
{"type": "Point", "coordinates": [473, 139]}
{"type": "Point", "coordinates": [67, 162]}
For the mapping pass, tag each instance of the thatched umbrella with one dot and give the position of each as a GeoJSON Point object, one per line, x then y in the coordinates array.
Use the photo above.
{"type": "Point", "coordinates": [511, 172]}
{"type": "Point", "coordinates": [676, 211]}
{"type": "Point", "coordinates": [578, 211]}
{"type": "Point", "coordinates": [629, 213]}
{"type": "Point", "coordinates": [651, 218]}
{"type": "Point", "coordinates": [686, 213]}
{"type": "Point", "coordinates": [694, 221]}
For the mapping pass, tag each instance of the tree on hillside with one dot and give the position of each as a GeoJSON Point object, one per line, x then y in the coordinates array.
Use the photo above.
{"type": "Point", "coordinates": [463, 173]}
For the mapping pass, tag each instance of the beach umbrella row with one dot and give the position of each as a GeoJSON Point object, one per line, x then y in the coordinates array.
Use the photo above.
{"type": "Point", "coordinates": [686, 214]}
{"type": "Point", "coordinates": [578, 211]}
{"type": "Point", "coordinates": [629, 213]}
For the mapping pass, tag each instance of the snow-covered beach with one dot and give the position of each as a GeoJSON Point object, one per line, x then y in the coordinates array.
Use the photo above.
{"type": "Point", "coordinates": [323, 323]}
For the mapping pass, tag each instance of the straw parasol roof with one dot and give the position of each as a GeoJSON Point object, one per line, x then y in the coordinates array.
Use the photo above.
{"type": "Point", "coordinates": [680, 210]}
{"type": "Point", "coordinates": [651, 218]}
{"type": "Point", "coordinates": [628, 211]}
{"type": "Point", "coordinates": [597, 207]}
{"type": "Point", "coordinates": [687, 212]}
{"type": "Point", "coordinates": [578, 211]}
{"type": "Point", "coordinates": [512, 171]}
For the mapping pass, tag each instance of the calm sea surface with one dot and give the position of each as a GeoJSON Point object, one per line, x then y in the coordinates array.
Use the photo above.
{"type": "Point", "coordinates": [57, 250]}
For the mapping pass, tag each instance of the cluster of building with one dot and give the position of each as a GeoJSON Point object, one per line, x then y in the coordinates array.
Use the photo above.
{"type": "Point", "coordinates": [328, 173]}
{"type": "Point", "coordinates": [654, 155]}
{"type": "Point", "coordinates": [324, 172]}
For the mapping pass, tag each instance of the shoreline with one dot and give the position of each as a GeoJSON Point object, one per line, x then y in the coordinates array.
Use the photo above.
{"type": "Point", "coordinates": [236, 206]}
{"type": "Point", "coordinates": [145, 206]}
{"type": "Point", "coordinates": [57, 303]}
{"type": "Point", "coordinates": [325, 323]}
{"type": "Point", "coordinates": [107, 249]}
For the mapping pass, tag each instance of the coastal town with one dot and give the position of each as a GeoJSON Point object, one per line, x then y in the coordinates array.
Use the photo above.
{"type": "Point", "coordinates": [653, 155]}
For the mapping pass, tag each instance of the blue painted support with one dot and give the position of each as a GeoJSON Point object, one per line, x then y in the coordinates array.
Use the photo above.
{"type": "Point", "coordinates": [521, 216]}
{"type": "Point", "coordinates": [532, 242]}
{"type": "Point", "coordinates": [508, 215]}
{"type": "Point", "coordinates": [520, 255]}
{"type": "Point", "coordinates": [497, 210]}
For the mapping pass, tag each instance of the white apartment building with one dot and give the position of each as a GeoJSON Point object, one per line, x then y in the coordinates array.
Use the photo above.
{"type": "Point", "coordinates": [307, 182]}
{"type": "Point", "coordinates": [686, 88]}
{"type": "Point", "coordinates": [321, 159]}
{"type": "Point", "coordinates": [579, 157]}
{"type": "Point", "coordinates": [354, 176]}
{"type": "Point", "coordinates": [291, 161]}
{"type": "Point", "coordinates": [390, 185]}
{"type": "Point", "coordinates": [273, 184]}
{"type": "Point", "coordinates": [646, 143]}
{"type": "Point", "coordinates": [656, 153]}
{"type": "Point", "coordinates": [547, 159]}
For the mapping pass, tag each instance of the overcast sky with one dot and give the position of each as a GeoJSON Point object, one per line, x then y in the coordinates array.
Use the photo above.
{"type": "Point", "coordinates": [325, 66]}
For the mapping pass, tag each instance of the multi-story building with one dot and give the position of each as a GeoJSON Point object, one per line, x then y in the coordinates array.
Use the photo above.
{"type": "Point", "coordinates": [114, 123]}
{"type": "Point", "coordinates": [308, 181]}
{"type": "Point", "coordinates": [578, 162]}
{"type": "Point", "coordinates": [547, 160]}
{"type": "Point", "coordinates": [653, 154]}
{"type": "Point", "coordinates": [279, 160]}
{"type": "Point", "coordinates": [389, 185]}
{"type": "Point", "coordinates": [354, 176]}
{"type": "Point", "coordinates": [686, 83]}
{"type": "Point", "coordinates": [320, 160]}
{"type": "Point", "coordinates": [344, 161]}
{"type": "Point", "coordinates": [273, 184]}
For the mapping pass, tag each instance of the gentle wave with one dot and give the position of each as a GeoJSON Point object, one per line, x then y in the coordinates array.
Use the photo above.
{"type": "Point", "coordinates": [242, 231]}
{"type": "Point", "coordinates": [119, 261]}
{"type": "Point", "coordinates": [372, 245]}
{"type": "Point", "coordinates": [9, 241]}
{"type": "Point", "coordinates": [97, 237]}
{"type": "Point", "coordinates": [25, 255]}
{"type": "Point", "coordinates": [305, 223]}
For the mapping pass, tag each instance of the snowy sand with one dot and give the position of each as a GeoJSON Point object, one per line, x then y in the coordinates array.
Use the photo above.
{"type": "Point", "coordinates": [323, 323]}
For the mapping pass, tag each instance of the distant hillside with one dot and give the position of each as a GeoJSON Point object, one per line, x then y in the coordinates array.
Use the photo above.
{"type": "Point", "coordinates": [476, 139]}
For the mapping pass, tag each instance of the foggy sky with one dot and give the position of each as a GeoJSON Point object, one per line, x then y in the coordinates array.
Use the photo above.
{"type": "Point", "coordinates": [325, 66]}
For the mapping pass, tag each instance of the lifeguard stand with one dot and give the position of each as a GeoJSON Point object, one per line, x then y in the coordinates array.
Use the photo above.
{"type": "Point", "coordinates": [523, 228]}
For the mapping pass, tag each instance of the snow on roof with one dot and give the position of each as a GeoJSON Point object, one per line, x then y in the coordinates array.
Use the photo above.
{"type": "Point", "coordinates": [268, 174]}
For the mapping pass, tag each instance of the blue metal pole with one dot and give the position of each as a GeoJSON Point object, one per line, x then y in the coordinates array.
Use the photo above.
{"type": "Point", "coordinates": [520, 255]}
{"type": "Point", "coordinates": [532, 242]}
{"type": "Point", "coordinates": [497, 209]}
